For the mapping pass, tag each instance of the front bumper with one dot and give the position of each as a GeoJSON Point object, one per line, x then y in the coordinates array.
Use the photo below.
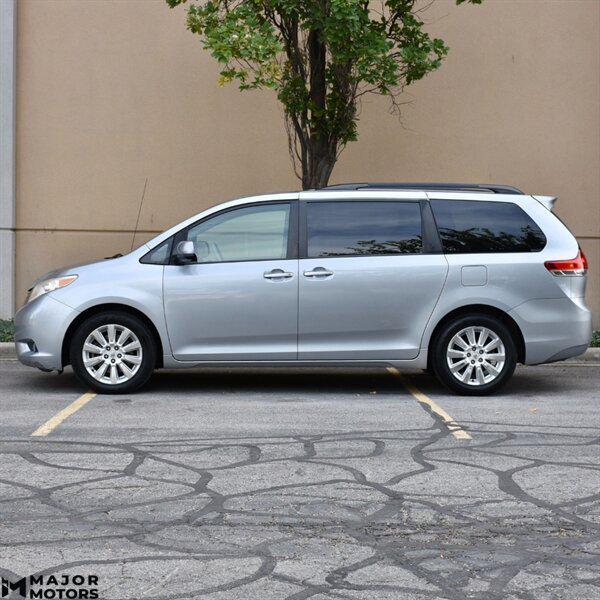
{"type": "Point", "coordinates": [40, 328]}
{"type": "Point", "coordinates": [553, 329]}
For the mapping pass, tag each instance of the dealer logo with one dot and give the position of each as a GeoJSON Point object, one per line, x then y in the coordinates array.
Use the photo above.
{"type": "Point", "coordinates": [52, 587]}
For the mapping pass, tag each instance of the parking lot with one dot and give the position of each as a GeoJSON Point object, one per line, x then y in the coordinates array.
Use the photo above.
{"type": "Point", "coordinates": [269, 484]}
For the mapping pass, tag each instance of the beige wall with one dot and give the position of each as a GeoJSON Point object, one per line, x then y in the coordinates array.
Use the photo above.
{"type": "Point", "coordinates": [110, 93]}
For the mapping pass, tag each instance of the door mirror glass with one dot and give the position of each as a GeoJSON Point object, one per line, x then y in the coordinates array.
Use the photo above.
{"type": "Point", "coordinates": [185, 253]}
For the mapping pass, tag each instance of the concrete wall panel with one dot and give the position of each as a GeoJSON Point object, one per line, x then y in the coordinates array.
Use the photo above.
{"type": "Point", "coordinates": [111, 93]}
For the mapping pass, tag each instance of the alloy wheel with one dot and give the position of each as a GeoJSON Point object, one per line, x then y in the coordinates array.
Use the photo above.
{"type": "Point", "coordinates": [112, 354]}
{"type": "Point", "coordinates": [476, 355]}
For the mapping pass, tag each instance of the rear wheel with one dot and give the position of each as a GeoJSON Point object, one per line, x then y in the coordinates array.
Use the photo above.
{"type": "Point", "coordinates": [113, 353]}
{"type": "Point", "coordinates": [474, 355]}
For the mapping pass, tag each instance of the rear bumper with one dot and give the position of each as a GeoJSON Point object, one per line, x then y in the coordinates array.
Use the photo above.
{"type": "Point", "coordinates": [553, 329]}
{"type": "Point", "coordinates": [40, 327]}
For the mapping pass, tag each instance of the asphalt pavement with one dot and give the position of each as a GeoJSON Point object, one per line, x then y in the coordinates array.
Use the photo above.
{"type": "Point", "coordinates": [296, 484]}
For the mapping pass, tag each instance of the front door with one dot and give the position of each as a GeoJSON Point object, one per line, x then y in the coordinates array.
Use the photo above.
{"type": "Point", "coordinates": [367, 285]}
{"type": "Point", "coordinates": [240, 300]}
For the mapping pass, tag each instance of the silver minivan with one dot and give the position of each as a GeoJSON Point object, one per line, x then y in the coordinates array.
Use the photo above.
{"type": "Point", "coordinates": [465, 281]}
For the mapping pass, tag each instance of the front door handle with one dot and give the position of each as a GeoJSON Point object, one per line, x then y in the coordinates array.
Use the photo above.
{"type": "Point", "coordinates": [277, 274]}
{"type": "Point", "coordinates": [318, 272]}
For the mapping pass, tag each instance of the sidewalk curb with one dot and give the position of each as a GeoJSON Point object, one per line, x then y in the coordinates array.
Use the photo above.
{"type": "Point", "coordinates": [590, 355]}
{"type": "Point", "coordinates": [7, 350]}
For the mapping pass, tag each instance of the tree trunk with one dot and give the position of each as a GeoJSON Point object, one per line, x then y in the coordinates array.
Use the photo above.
{"type": "Point", "coordinates": [320, 156]}
{"type": "Point", "coordinates": [321, 160]}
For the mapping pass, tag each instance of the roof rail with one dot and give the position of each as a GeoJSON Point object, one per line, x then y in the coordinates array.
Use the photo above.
{"type": "Point", "coordinates": [440, 187]}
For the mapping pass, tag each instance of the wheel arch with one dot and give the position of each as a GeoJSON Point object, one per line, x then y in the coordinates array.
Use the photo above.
{"type": "Point", "coordinates": [486, 309]}
{"type": "Point", "coordinates": [100, 308]}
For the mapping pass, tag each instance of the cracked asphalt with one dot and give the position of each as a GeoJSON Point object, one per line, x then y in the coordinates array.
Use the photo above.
{"type": "Point", "coordinates": [320, 484]}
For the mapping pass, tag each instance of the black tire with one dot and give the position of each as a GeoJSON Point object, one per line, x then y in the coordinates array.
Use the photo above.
{"type": "Point", "coordinates": [148, 352]}
{"type": "Point", "coordinates": [439, 361]}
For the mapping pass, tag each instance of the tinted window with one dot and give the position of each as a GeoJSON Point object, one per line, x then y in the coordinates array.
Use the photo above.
{"type": "Point", "coordinates": [158, 256]}
{"type": "Point", "coordinates": [250, 233]}
{"type": "Point", "coordinates": [363, 228]}
{"type": "Point", "coordinates": [469, 226]}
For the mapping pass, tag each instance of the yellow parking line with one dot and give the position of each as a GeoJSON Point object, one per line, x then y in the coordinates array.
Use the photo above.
{"type": "Point", "coordinates": [58, 418]}
{"type": "Point", "coordinates": [455, 429]}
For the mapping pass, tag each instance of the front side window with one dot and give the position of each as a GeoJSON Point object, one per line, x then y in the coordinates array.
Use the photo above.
{"type": "Point", "coordinates": [473, 226]}
{"type": "Point", "coordinates": [369, 228]}
{"type": "Point", "coordinates": [249, 233]}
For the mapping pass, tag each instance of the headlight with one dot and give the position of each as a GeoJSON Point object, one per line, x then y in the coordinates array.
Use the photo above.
{"type": "Point", "coordinates": [49, 285]}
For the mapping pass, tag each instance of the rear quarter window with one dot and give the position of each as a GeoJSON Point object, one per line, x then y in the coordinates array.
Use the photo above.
{"type": "Point", "coordinates": [473, 226]}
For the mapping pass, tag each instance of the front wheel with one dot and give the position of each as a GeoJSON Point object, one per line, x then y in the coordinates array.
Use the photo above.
{"type": "Point", "coordinates": [474, 355]}
{"type": "Point", "coordinates": [113, 353]}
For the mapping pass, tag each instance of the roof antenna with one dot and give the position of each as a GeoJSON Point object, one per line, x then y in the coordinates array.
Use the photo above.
{"type": "Point", "coordinates": [139, 213]}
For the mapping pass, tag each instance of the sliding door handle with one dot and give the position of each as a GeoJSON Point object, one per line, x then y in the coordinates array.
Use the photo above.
{"type": "Point", "coordinates": [318, 272]}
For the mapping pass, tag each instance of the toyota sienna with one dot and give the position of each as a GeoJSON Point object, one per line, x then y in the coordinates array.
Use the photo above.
{"type": "Point", "coordinates": [465, 281]}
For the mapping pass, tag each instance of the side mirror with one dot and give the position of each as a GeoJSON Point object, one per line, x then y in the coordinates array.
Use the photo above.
{"type": "Point", "coordinates": [185, 253]}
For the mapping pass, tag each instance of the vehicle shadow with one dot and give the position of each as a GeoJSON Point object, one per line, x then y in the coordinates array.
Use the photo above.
{"type": "Point", "coordinates": [526, 381]}
{"type": "Point", "coordinates": [265, 380]}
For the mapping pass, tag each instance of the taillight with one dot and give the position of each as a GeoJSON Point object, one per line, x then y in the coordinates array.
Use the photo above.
{"type": "Point", "coordinates": [568, 268]}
